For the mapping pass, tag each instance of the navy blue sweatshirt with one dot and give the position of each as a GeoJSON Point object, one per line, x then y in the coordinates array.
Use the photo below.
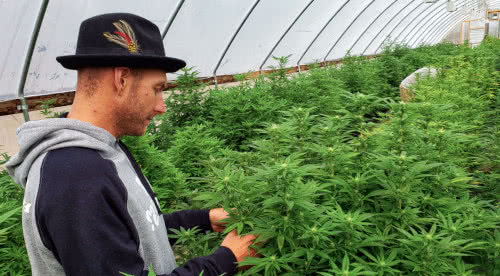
{"type": "Point", "coordinates": [89, 210]}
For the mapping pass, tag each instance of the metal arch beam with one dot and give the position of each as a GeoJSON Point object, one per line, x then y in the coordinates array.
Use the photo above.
{"type": "Point", "coordinates": [385, 26]}
{"type": "Point", "coordinates": [169, 24]}
{"type": "Point", "coordinates": [397, 25]}
{"type": "Point", "coordinates": [29, 55]}
{"type": "Point", "coordinates": [446, 30]}
{"type": "Point", "coordinates": [433, 23]}
{"type": "Point", "coordinates": [441, 35]}
{"type": "Point", "coordinates": [371, 24]}
{"type": "Point", "coordinates": [438, 31]}
{"type": "Point", "coordinates": [430, 25]}
{"type": "Point", "coordinates": [435, 27]}
{"type": "Point", "coordinates": [430, 36]}
{"type": "Point", "coordinates": [284, 34]}
{"type": "Point", "coordinates": [346, 29]}
{"type": "Point", "coordinates": [414, 42]}
{"type": "Point", "coordinates": [414, 20]}
{"type": "Point", "coordinates": [452, 22]}
{"type": "Point", "coordinates": [232, 39]}
{"type": "Point", "coordinates": [422, 22]}
{"type": "Point", "coordinates": [319, 33]}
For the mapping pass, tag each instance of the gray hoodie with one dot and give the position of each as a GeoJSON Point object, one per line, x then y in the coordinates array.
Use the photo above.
{"type": "Point", "coordinates": [89, 210]}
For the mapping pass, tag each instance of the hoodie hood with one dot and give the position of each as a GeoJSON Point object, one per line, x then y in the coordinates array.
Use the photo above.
{"type": "Point", "coordinates": [38, 137]}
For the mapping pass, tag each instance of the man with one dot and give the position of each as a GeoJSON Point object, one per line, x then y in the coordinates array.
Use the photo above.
{"type": "Point", "coordinates": [88, 209]}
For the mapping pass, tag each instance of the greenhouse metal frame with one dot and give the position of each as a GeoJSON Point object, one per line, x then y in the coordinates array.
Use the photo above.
{"type": "Point", "coordinates": [223, 37]}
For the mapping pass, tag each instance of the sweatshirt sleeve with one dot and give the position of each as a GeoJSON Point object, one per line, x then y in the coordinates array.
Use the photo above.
{"type": "Point", "coordinates": [221, 262]}
{"type": "Point", "coordinates": [187, 219]}
{"type": "Point", "coordinates": [82, 217]}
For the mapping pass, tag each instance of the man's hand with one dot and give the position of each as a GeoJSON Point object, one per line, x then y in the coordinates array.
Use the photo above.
{"type": "Point", "coordinates": [239, 245]}
{"type": "Point", "coordinates": [216, 215]}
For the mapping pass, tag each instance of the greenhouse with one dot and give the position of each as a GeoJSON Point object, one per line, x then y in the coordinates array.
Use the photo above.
{"type": "Point", "coordinates": [250, 137]}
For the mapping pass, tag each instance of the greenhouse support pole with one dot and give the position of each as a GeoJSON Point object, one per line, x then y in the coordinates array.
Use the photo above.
{"type": "Point", "coordinates": [346, 29]}
{"type": "Point", "coordinates": [371, 24]}
{"type": "Point", "coordinates": [415, 22]}
{"type": "Point", "coordinates": [385, 26]}
{"type": "Point", "coordinates": [174, 15]}
{"type": "Point", "coordinates": [397, 25]}
{"type": "Point", "coordinates": [421, 22]}
{"type": "Point", "coordinates": [284, 34]}
{"type": "Point", "coordinates": [319, 33]}
{"type": "Point", "coordinates": [232, 39]}
{"type": "Point", "coordinates": [27, 60]}
{"type": "Point", "coordinates": [421, 36]}
{"type": "Point", "coordinates": [498, 29]}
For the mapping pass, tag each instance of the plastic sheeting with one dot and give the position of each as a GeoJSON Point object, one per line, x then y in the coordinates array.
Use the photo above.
{"type": "Point", "coordinates": [58, 36]}
{"type": "Point", "coordinates": [17, 21]}
{"type": "Point", "coordinates": [493, 4]}
{"type": "Point", "coordinates": [222, 36]}
{"type": "Point", "coordinates": [307, 28]}
{"type": "Point", "coordinates": [201, 31]}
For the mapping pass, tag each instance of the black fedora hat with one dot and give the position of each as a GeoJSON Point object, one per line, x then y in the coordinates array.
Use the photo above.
{"type": "Point", "coordinates": [120, 39]}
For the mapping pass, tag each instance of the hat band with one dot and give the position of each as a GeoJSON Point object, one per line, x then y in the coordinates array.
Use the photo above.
{"type": "Point", "coordinates": [117, 51]}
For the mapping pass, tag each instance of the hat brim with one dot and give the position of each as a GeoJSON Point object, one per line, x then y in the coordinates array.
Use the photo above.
{"type": "Point", "coordinates": [75, 62]}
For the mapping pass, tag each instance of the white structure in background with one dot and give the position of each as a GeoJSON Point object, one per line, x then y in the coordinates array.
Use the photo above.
{"type": "Point", "coordinates": [493, 23]}
{"type": "Point", "coordinates": [473, 28]}
{"type": "Point", "coordinates": [222, 37]}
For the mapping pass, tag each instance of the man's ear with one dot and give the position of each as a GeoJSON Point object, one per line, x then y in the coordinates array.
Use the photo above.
{"type": "Point", "coordinates": [122, 79]}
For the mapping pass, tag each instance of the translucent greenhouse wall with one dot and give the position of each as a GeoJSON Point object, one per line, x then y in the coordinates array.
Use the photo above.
{"type": "Point", "coordinates": [221, 37]}
{"type": "Point", "coordinates": [17, 20]}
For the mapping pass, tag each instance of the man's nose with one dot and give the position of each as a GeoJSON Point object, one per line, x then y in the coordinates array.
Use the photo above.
{"type": "Point", "coordinates": [160, 107]}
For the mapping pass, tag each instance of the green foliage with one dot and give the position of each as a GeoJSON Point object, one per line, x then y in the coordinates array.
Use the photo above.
{"type": "Point", "coordinates": [191, 244]}
{"type": "Point", "coordinates": [191, 146]}
{"type": "Point", "coordinates": [333, 173]}
{"type": "Point", "coordinates": [311, 214]}
{"type": "Point", "coordinates": [340, 195]}
{"type": "Point", "coordinates": [184, 106]}
{"type": "Point", "coordinates": [12, 250]}
{"type": "Point", "coordinates": [167, 181]}
{"type": "Point", "coordinates": [46, 105]}
{"type": "Point", "coordinates": [185, 103]}
{"type": "Point", "coordinates": [5, 158]}
{"type": "Point", "coordinates": [236, 113]}
{"type": "Point", "coordinates": [365, 76]}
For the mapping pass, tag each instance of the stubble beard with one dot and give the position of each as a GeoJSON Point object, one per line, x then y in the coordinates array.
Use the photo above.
{"type": "Point", "coordinates": [129, 119]}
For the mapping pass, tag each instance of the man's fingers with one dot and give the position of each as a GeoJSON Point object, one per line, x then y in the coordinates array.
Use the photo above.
{"type": "Point", "coordinates": [249, 237]}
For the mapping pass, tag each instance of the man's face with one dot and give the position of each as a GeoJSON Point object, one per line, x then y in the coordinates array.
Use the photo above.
{"type": "Point", "coordinates": [143, 101]}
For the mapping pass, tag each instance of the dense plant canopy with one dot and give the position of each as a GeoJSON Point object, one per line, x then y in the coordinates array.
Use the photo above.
{"type": "Point", "coordinates": [333, 173]}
